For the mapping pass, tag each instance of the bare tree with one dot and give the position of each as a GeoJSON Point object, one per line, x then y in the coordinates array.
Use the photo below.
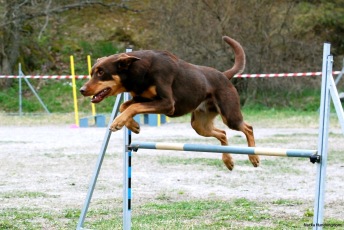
{"type": "Point", "coordinates": [16, 15]}
{"type": "Point", "coordinates": [193, 30]}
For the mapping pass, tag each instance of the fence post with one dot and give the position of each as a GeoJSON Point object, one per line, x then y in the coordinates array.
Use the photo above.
{"type": "Point", "coordinates": [20, 91]}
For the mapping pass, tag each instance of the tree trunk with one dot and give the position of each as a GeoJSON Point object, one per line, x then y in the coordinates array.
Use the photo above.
{"type": "Point", "coordinates": [10, 41]}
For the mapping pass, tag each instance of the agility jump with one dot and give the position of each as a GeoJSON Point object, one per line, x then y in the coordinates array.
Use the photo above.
{"type": "Point", "coordinates": [328, 92]}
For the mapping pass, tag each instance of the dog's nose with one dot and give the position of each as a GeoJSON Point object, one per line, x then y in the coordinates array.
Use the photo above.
{"type": "Point", "coordinates": [83, 90]}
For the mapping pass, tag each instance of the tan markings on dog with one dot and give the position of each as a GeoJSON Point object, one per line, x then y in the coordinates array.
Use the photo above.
{"type": "Point", "coordinates": [117, 87]}
{"type": "Point", "coordinates": [94, 71]}
{"type": "Point", "coordinates": [149, 93]}
{"type": "Point", "coordinates": [99, 87]}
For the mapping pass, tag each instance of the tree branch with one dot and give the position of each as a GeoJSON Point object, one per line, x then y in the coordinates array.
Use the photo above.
{"type": "Point", "coordinates": [64, 8]}
{"type": "Point", "coordinates": [46, 21]}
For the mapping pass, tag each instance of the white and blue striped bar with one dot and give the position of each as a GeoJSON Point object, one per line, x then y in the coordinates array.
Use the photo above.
{"type": "Point", "coordinates": [225, 149]}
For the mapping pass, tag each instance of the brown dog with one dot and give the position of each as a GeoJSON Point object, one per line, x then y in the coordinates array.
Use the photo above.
{"type": "Point", "coordinates": [161, 83]}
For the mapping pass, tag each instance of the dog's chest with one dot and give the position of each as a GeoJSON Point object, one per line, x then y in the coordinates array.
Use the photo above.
{"type": "Point", "coordinates": [149, 93]}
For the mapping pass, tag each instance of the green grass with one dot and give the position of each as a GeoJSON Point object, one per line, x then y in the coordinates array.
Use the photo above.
{"type": "Point", "coordinates": [170, 160]}
{"type": "Point", "coordinates": [20, 194]}
{"type": "Point", "coordinates": [25, 218]}
{"type": "Point", "coordinates": [278, 165]}
{"type": "Point", "coordinates": [335, 157]}
{"type": "Point", "coordinates": [238, 213]}
{"type": "Point", "coordinates": [164, 214]}
{"type": "Point", "coordinates": [284, 202]}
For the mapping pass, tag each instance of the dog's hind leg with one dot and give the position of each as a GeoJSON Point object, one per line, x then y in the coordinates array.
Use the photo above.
{"type": "Point", "coordinates": [202, 123]}
{"type": "Point", "coordinates": [247, 129]}
{"type": "Point", "coordinates": [229, 109]}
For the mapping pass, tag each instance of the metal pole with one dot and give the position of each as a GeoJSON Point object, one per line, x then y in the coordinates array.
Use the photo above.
{"type": "Point", "coordinates": [20, 91]}
{"type": "Point", "coordinates": [336, 102]}
{"type": "Point", "coordinates": [126, 176]}
{"type": "Point", "coordinates": [34, 92]}
{"type": "Point", "coordinates": [323, 139]}
{"type": "Point", "coordinates": [126, 172]}
{"type": "Point", "coordinates": [340, 75]}
{"type": "Point", "coordinates": [99, 163]}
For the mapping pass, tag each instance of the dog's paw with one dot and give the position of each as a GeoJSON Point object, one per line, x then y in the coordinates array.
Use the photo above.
{"type": "Point", "coordinates": [133, 126]}
{"type": "Point", "coordinates": [228, 161]}
{"type": "Point", "coordinates": [254, 160]}
{"type": "Point", "coordinates": [115, 127]}
{"type": "Point", "coordinates": [117, 124]}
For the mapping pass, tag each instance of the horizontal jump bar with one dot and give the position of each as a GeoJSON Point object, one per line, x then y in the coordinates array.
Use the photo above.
{"type": "Point", "coordinates": [224, 149]}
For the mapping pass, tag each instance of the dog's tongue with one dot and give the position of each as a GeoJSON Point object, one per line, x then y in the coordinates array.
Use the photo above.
{"type": "Point", "coordinates": [100, 96]}
{"type": "Point", "coordinates": [96, 99]}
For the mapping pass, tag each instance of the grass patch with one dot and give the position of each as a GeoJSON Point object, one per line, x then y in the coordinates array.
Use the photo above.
{"type": "Point", "coordinates": [199, 214]}
{"type": "Point", "coordinates": [196, 214]}
{"type": "Point", "coordinates": [278, 165]}
{"type": "Point", "coordinates": [26, 218]}
{"type": "Point", "coordinates": [284, 202]}
{"type": "Point", "coordinates": [335, 156]}
{"type": "Point", "coordinates": [168, 160]}
{"type": "Point", "coordinates": [20, 194]}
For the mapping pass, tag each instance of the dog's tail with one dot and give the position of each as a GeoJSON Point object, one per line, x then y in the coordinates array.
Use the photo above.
{"type": "Point", "coordinates": [239, 64]}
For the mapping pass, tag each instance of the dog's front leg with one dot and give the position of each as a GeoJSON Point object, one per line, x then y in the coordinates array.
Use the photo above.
{"type": "Point", "coordinates": [130, 123]}
{"type": "Point", "coordinates": [125, 105]}
{"type": "Point", "coordinates": [126, 117]}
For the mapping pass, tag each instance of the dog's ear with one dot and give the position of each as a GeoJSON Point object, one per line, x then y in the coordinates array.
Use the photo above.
{"type": "Point", "coordinates": [99, 59]}
{"type": "Point", "coordinates": [124, 62]}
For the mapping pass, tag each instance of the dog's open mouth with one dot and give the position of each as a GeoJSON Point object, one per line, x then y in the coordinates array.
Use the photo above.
{"type": "Point", "coordinates": [101, 95]}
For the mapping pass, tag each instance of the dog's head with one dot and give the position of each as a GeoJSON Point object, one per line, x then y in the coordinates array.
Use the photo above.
{"type": "Point", "coordinates": [106, 77]}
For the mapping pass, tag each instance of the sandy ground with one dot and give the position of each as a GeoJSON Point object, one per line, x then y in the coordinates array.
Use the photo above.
{"type": "Point", "coordinates": [58, 162]}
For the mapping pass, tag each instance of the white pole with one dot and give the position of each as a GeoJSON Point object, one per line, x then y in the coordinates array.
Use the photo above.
{"type": "Point", "coordinates": [20, 91]}
{"type": "Point", "coordinates": [323, 139]}
{"type": "Point", "coordinates": [99, 163]}
{"type": "Point", "coordinates": [336, 102]}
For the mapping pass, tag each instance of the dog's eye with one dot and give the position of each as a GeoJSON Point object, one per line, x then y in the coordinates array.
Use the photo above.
{"type": "Point", "coordinates": [100, 73]}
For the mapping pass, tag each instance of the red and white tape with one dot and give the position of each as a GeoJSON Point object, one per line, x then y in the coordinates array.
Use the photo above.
{"type": "Point", "coordinates": [271, 75]}
{"type": "Point", "coordinates": [261, 75]}
{"type": "Point", "coordinates": [46, 76]}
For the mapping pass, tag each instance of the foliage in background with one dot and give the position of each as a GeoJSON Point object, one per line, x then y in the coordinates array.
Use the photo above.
{"type": "Point", "coordinates": [278, 36]}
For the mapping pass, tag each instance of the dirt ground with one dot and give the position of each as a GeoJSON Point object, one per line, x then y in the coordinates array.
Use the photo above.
{"type": "Point", "coordinates": [57, 162]}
